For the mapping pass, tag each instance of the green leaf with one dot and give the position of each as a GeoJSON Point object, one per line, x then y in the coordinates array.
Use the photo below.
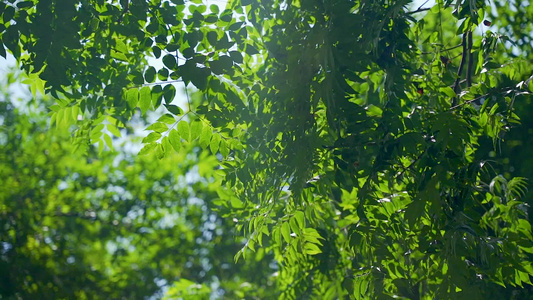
{"type": "Point", "coordinates": [212, 38]}
{"type": "Point", "coordinates": [113, 129]}
{"type": "Point", "coordinates": [276, 235]}
{"type": "Point", "coordinates": [165, 144]}
{"type": "Point", "coordinates": [8, 14]}
{"type": "Point", "coordinates": [414, 212]}
{"type": "Point", "coordinates": [374, 111]}
{"type": "Point", "coordinates": [174, 109]}
{"type": "Point", "coordinates": [236, 203]}
{"type": "Point", "coordinates": [148, 148]}
{"type": "Point", "coordinates": [311, 235]}
{"type": "Point", "coordinates": [158, 127]}
{"type": "Point", "coordinates": [205, 137]}
{"type": "Point", "coordinates": [156, 51]}
{"type": "Point", "coordinates": [132, 97]}
{"type": "Point", "coordinates": [236, 56]}
{"type": "Point", "coordinates": [167, 118]}
{"type": "Point", "coordinates": [174, 140]}
{"type": "Point", "coordinates": [96, 132]}
{"type": "Point", "coordinates": [108, 141]}
{"type": "Point", "coordinates": [75, 112]}
{"type": "Point", "coordinates": [162, 74]}
{"type": "Point", "coordinates": [119, 55]}
{"type": "Point", "coordinates": [294, 226]}
{"type": "Point", "coordinates": [300, 218]}
{"type": "Point", "coordinates": [152, 137]}
{"type": "Point", "coordinates": [494, 109]}
{"type": "Point", "coordinates": [215, 142]}
{"type": "Point", "coordinates": [224, 149]}
{"type": "Point", "coordinates": [149, 75]}
{"type": "Point", "coordinates": [311, 249]}
{"type": "Point", "coordinates": [251, 50]}
{"type": "Point", "coordinates": [157, 96]}
{"type": "Point", "coordinates": [286, 232]}
{"type": "Point", "coordinates": [169, 92]}
{"type": "Point", "coordinates": [159, 151]}
{"type": "Point", "coordinates": [196, 129]}
{"type": "Point", "coordinates": [169, 61]}
{"type": "Point", "coordinates": [221, 66]}
{"type": "Point", "coordinates": [120, 46]}
{"type": "Point", "coordinates": [145, 102]}
{"type": "Point", "coordinates": [183, 130]}
{"type": "Point", "coordinates": [448, 91]}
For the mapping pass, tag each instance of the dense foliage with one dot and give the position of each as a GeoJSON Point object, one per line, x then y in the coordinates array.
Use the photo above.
{"type": "Point", "coordinates": [369, 146]}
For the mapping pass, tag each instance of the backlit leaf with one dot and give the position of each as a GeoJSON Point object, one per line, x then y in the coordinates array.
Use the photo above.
{"type": "Point", "coordinates": [196, 129]}
{"type": "Point", "coordinates": [183, 130]}
{"type": "Point", "coordinates": [145, 101]}
{"type": "Point", "coordinates": [215, 142]}
{"type": "Point", "coordinates": [205, 137]}
{"type": "Point", "coordinates": [152, 137]}
{"type": "Point", "coordinates": [174, 139]}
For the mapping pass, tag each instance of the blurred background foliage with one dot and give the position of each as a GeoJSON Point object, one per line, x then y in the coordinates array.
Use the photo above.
{"type": "Point", "coordinates": [111, 225]}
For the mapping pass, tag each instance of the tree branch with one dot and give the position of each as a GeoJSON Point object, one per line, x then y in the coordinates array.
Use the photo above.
{"type": "Point", "coordinates": [469, 101]}
{"type": "Point", "coordinates": [461, 66]}
{"type": "Point", "coordinates": [470, 61]}
{"type": "Point", "coordinates": [442, 50]}
{"type": "Point", "coordinates": [418, 10]}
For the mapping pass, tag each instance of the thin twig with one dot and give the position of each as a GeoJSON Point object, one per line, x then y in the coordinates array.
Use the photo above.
{"type": "Point", "coordinates": [469, 101]}
{"type": "Point", "coordinates": [486, 95]}
{"type": "Point", "coordinates": [418, 10]}
{"type": "Point", "coordinates": [461, 66]}
{"type": "Point", "coordinates": [442, 50]}
{"type": "Point", "coordinates": [160, 83]}
{"type": "Point", "coordinates": [451, 48]}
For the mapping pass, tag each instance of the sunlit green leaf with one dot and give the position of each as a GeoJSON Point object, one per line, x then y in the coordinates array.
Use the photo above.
{"type": "Point", "coordinates": [113, 129]}
{"type": "Point", "coordinates": [158, 127]}
{"type": "Point", "coordinates": [145, 99]}
{"type": "Point", "coordinates": [223, 148]}
{"type": "Point", "coordinates": [214, 143]}
{"type": "Point", "coordinates": [311, 249]}
{"type": "Point", "coordinates": [196, 129]}
{"type": "Point", "coordinates": [183, 130]}
{"type": "Point", "coordinates": [152, 137]}
{"type": "Point", "coordinates": [174, 139]}
{"type": "Point", "coordinates": [286, 232]}
{"type": "Point", "coordinates": [132, 97]}
{"type": "Point", "coordinates": [148, 148]}
{"type": "Point", "coordinates": [205, 137]}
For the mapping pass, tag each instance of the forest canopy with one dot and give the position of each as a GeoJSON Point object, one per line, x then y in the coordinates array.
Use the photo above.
{"type": "Point", "coordinates": [329, 148]}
